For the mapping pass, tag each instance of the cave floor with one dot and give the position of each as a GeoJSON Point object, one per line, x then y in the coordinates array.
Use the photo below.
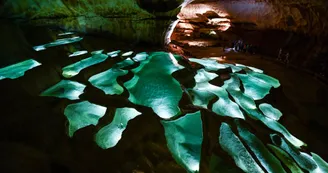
{"type": "Point", "coordinates": [34, 128]}
{"type": "Point", "coordinates": [304, 102]}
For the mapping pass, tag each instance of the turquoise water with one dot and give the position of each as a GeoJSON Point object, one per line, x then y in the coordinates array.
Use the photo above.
{"type": "Point", "coordinates": [151, 80]}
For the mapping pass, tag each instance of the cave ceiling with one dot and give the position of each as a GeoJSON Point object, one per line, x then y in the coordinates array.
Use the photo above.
{"type": "Point", "coordinates": [302, 16]}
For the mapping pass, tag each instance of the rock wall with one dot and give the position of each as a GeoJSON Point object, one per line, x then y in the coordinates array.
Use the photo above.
{"type": "Point", "coordinates": [34, 9]}
{"type": "Point", "coordinates": [131, 20]}
{"type": "Point", "coordinates": [298, 27]}
{"type": "Point", "coordinates": [303, 16]}
{"type": "Point", "coordinates": [128, 19]}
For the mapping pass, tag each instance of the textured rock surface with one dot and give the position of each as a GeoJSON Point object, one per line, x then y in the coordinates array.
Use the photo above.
{"type": "Point", "coordinates": [39, 124]}
{"type": "Point", "coordinates": [138, 16]}
{"type": "Point", "coordinates": [296, 27]}
{"type": "Point", "coordinates": [306, 16]}
{"type": "Point", "coordinates": [125, 20]}
{"type": "Point", "coordinates": [34, 9]}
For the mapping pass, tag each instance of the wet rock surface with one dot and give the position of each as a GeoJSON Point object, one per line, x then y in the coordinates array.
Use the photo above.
{"type": "Point", "coordinates": [39, 128]}
{"type": "Point", "coordinates": [34, 128]}
{"type": "Point", "coordinates": [302, 16]}
{"type": "Point", "coordinates": [138, 18]}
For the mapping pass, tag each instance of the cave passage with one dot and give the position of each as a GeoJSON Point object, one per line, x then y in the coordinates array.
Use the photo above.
{"type": "Point", "coordinates": [146, 86]}
{"type": "Point", "coordinates": [152, 85]}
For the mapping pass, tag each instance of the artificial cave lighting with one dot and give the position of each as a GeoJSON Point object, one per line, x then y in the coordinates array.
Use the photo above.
{"type": "Point", "coordinates": [65, 89]}
{"type": "Point", "coordinates": [83, 114]}
{"type": "Point", "coordinates": [153, 85]}
{"type": "Point", "coordinates": [18, 70]}
{"type": "Point", "coordinates": [164, 86]}
{"type": "Point", "coordinates": [58, 42]}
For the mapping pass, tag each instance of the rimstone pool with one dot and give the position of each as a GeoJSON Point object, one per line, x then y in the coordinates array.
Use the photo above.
{"type": "Point", "coordinates": [163, 86]}
{"type": "Point", "coordinates": [154, 83]}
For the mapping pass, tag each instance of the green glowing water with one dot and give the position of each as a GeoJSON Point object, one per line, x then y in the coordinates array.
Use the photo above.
{"type": "Point", "coordinates": [184, 139]}
{"type": "Point", "coordinates": [65, 89]}
{"type": "Point", "coordinates": [78, 53]}
{"type": "Point", "coordinates": [266, 158]}
{"type": "Point", "coordinates": [153, 85]}
{"type": "Point", "coordinates": [235, 148]}
{"type": "Point", "coordinates": [74, 69]}
{"type": "Point", "coordinates": [58, 42]}
{"type": "Point", "coordinates": [110, 135]}
{"type": "Point", "coordinates": [17, 70]}
{"type": "Point", "coordinates": [209, 64]}
{"type": "Point", "coordinates": [286, 159]}
{"type": "Point", "coordinates": [107, 82]}
{"type": "Point", "coordinates": [269, 111]}
{"type": "Point", "coordinates": [83, 114]}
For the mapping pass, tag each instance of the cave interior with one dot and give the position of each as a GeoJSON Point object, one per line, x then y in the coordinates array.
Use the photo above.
{"type": "Point", "coordinates": [163, 86]}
